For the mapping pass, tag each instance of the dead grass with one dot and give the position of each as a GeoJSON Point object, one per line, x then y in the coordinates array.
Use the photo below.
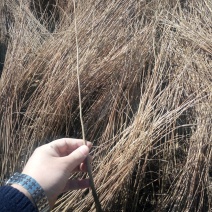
{"type": "Point", "coordinates": [145, 70]}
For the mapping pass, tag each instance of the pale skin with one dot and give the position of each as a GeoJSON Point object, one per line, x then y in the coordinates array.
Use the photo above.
{"type": "Point", "coordinates": [52, 164]}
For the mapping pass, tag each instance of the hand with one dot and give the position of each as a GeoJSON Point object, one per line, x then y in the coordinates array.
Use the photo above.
{"type": "Point", "coordinates": [52, 164]}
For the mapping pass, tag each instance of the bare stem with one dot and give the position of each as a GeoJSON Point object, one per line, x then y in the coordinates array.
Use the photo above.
{"type": "Point", "coordinates": [95, 196]}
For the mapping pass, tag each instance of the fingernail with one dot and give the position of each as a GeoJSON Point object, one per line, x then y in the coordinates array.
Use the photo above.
{"type": "Point", "coordinates": [84, 149]}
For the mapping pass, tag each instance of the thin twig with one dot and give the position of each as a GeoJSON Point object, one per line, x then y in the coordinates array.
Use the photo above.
{"type": "Point", "coordinates": [95, 196]}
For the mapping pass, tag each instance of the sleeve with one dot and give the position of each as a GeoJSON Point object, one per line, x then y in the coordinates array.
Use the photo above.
{"type": "Point", "coordinates": [12, 200]}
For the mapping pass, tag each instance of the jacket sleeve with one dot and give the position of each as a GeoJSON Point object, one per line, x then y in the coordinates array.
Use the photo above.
{"type": "Point", "coordinates": [12, 200]}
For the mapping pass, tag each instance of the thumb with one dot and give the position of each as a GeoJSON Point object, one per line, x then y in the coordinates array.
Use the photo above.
{"type": "Point", "coordinates": [76, 157]}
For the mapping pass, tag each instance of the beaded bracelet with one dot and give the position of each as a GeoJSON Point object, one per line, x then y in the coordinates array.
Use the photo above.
{"type": "Point", "coordinates": [31, 185]}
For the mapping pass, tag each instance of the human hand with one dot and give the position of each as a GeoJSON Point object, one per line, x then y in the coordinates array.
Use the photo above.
{"type": "Point", "coordinates": [52, 164]}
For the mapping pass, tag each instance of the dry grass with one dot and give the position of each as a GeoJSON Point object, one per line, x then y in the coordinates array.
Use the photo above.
{"type": "Point", "coordinates": [146, 81]}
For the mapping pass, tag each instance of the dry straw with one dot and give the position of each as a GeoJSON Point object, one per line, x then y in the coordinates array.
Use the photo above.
{"type": "Point", "coordinates": [146, 95]}
{"type": "Point", "coordinates": [96, 199]}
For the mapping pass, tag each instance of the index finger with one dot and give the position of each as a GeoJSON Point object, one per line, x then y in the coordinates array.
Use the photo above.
{"type": "Point", "coordinates": [66, 146]}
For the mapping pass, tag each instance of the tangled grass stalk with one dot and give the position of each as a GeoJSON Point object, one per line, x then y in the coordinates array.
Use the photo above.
{"type": "Point", "coordinates": [146, 91]}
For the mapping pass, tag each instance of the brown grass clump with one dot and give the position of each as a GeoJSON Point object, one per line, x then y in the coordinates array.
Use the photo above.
{"type": "Point", "coordinates": [146, 82]}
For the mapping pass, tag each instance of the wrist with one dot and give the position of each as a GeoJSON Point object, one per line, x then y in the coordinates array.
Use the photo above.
{"type": "Point", "coordinates": [31, 189]}
{"type": "Point", "coordinates": [24, 191]}
{"type": "Point", "coordinates": [44, 186]}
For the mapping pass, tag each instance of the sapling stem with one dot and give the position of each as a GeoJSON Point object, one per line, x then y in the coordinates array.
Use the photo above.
{"type": "Point", "coordinates": [95, 196]}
